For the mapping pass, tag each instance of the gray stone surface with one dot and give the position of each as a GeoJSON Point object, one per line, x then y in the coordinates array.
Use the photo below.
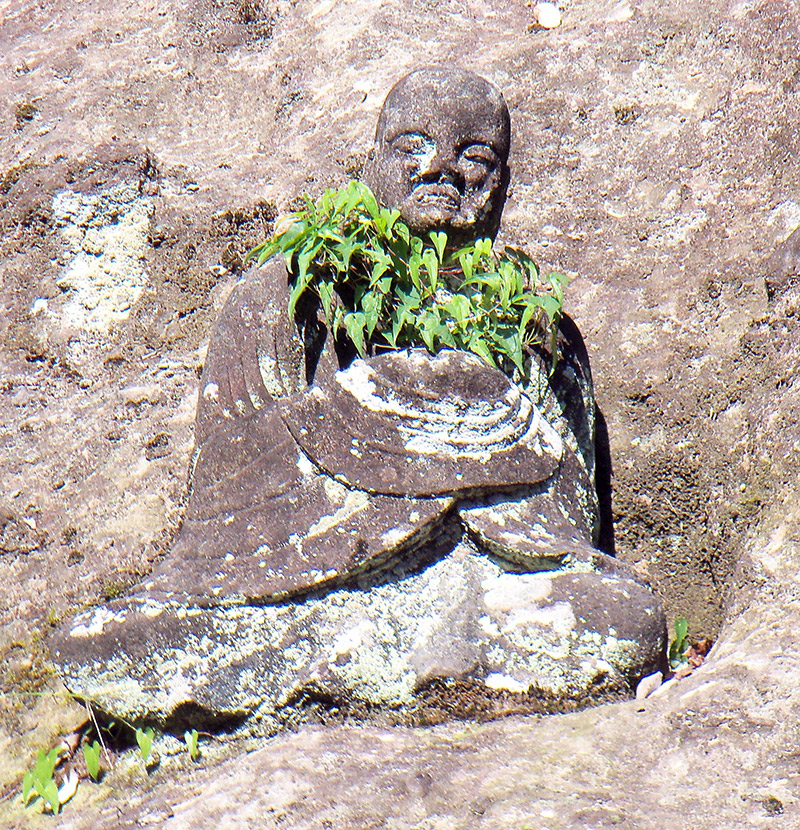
{"type": "Point", "coordinates": [406, 424]}
{"type": "Point", "coordinates": [441, 151]}
{"type": "Point", "coordinates": [297, 487]}
{"type": "Point", "coordinates": [656, 160]}
{"type": "Point", "coordinates": [717, 749]}
{"type": "Point", "coordinates": [463, 618]}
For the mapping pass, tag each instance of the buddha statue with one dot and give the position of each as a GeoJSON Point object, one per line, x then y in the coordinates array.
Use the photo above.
{"type": "Point", "coordinates": [393, 520]}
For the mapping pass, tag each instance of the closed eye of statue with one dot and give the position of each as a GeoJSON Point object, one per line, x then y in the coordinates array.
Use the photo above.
{"type": "Point", "coordinates": [414, 144]}
{"type": "Point", "coordinates": [480, 154]}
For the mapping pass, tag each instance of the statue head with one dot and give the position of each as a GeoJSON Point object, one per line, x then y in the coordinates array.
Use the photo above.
{"type": "Point", "coordinates": [441, 153]}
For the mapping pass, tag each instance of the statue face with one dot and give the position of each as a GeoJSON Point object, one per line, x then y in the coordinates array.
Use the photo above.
{"type": "Point", "coordinates": [441, 151]}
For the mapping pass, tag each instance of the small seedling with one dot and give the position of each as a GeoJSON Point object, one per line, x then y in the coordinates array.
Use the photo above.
{"type": "Point", "coordinates": [91, 754]}
{"type": "Point", "coordinates": [144, 737]}
{"type": "Point", "coordinates": [680, 645]}
{"type": "Point", "coordinates": [40, 780]}
{"type": "Point", "coordinates": [192, 739]}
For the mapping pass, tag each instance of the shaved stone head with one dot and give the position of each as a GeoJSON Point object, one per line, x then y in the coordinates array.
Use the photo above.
{"type": "Point", "coordinates": [441, 153]}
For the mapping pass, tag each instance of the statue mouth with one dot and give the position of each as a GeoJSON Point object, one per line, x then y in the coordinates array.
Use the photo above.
{"type": "Point", "coordinates": [442, 196]}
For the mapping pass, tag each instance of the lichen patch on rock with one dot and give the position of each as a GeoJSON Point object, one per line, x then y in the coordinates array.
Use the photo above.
{"type": "Point", "coordinates": [105, 237]}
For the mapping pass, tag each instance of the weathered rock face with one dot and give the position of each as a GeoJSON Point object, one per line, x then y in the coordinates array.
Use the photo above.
{"type": "Point", "coordinates": [404, 424]}
{"type": "Point", "coordinates": [655, 159]}
{"type": "Point", "coordinates": [437, 476]}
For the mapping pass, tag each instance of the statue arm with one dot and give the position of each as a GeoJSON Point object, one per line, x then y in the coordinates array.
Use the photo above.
{"type": "Point", "coordinates": [255, 354]}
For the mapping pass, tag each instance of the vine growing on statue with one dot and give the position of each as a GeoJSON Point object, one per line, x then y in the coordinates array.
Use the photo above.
{"type": "Point", "coordinates": [386, 288]}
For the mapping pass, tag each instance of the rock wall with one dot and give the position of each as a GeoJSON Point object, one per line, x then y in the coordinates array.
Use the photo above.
{"type": "Point", "coordinates": [145, 148]}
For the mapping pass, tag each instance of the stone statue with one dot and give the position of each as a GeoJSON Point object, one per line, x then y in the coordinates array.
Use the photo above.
{"type": "Point", "coordinates": [365, 528]}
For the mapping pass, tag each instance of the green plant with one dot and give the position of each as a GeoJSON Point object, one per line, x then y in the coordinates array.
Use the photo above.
{"type": "Point", "coordinates": [144, 737]}
{"type": "Point", "coordinates": [112, 589]}
{"type": "Point", "coordinates": [40, 780]}
{"type": "Point", "coordinates": [91, 754]}
{"type": "Point", "coordinates": [192, 738]}
{"type": "Point", "coordinates": [680, 644]}
{"type": "Point", "coordinates": [386, 288]}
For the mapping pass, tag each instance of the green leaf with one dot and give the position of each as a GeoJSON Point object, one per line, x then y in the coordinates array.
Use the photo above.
{"type": "Point", "coordinates": [507, 284]}
{"type": "Point", "coordinates": [46, 764]}
{"type": "Point", "coordinates": [408, 297]}
{"type": "Point", "coordinates": [388, 219]}
{"type": "Point", "coordinates": [483, 248]}
{"type": "Point", "coordinates": [458, 308]}
{"type": "Point", "coordinates": [372, 306]}
{"type": "Point", "coordinates": [267, 254]}
{"type": "Point", "coordinates": [524, 262]}
{"type": "Point", "coordinates": [294, 297]}
{"type": "Point", "coordinates": [465, 261]}
{"type": "Point", "coordinates": [379, 269]}
{"type": "Point", "coordinates": [551, 306]}
{"type": "Point", "coordinates": [338, 314]}
{"type": "Point", "coordinates": [40, 784]}
{"type": "Point", "coordinates": [478, 346]}
{"type": "Point", "coordinates": [346, 249]}
{"type": "Point", "coordinates": [266, 250]}
{"type": "Point", "coordinates": [390, 336]}
{"type": "Point", "coordinates": [414, 265]}
{"type": "Point", "coordinates": [91, 754]}
{"type": "Point", "coordinates": [403, 314]}
{"type": "Point", "coordinates": [27, 786]}
{"type": "Point", "coordinates": [311, 208]}
{"type": "Point", "coordinates": [326, 295]}
{"type": "Point", "coordinates": [304, 261]}
{"type": "Point", "coordinates": [401, 230]}
{"type": "Point", "coordinates": [517, 357]}
{"type": "Point", "coordinates": [439, 239]}
{"type": "Point", "coordinates": [292, 236]}
{"type": "Point", "coordinates": [508, 343]}
{"type": "Point", "coordinates": [557, 283]}
{"type": "Point", "coordinates": [428, 329]}
{"type": "Point", "coordinates": [353, 194]}
{"type": "Point", "coordinates": [144, 737]}
{"type": "Point", "coordinates": [432, 267]}
{"type": "Point", "coordinates": [444, 336]}
{"type": "Point", "coordinates": [192, 739]}
{"type": "Point", "coordinates": [50, 795]}
{"type": "Point", "coordinates": [354, 323]}
{"type": "Point", "coordinates": [680, 644]}
{"type": "Point", "coordinates": [532, 305]}
{"type": "Point", "coordinates": [375, 279]}
{"type": "Point", "coordinates": [681, 629]}
{"type": "Point", "coordinates": [488, 284]}
{"type": "Point", "coordinates": [370, 203]}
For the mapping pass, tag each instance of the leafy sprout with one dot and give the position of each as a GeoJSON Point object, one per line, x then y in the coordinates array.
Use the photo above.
{"type": "Point", "coordinates": [91, 754]}
{"type": "Point", "coordinates": [144, 738]}
{"type": "Point", "coordinates": [192, 739]}
{"type": "Point", "coordinates": [384, 287]}
{"type": "Point", "coordinates": [40, 780]}
{"type": "Point", "coordinates": [680, 644]}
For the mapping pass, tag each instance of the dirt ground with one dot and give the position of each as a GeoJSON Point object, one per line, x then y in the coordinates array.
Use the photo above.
{"type": "Point", "coordinates": [145, 148]}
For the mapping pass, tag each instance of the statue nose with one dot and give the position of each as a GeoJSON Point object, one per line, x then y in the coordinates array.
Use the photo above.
{"type": "Point", "coordinates": [442, 167]}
